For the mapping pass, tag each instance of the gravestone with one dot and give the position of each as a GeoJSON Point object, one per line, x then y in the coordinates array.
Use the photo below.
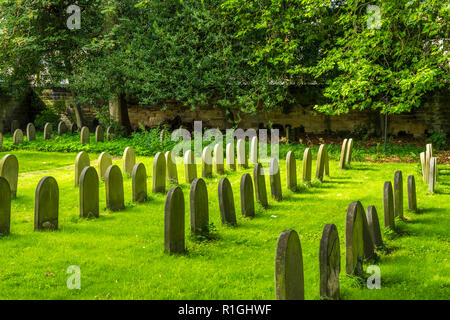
{"type": "Point", "coordinates": [291, 172]}
{"type": "Point", "coordinates": [14, 126]}
{"type": "Point", "coordinates": [128, 160]}
{"type": "Point", "coordinates": [46, 204]}
{"type": "Point", "coordinates": [48, 131]}
{"type": "Point", "coordinates": [326, 163]}
{"type": "Point", "coordinates": [104, 161]}
{"type": "Point", "coordinates": [348, 156]}
{"type": "Point", "coordinates": [427, 165]}
{"type": "Point", "coordinates": [5, 206]}
{"type": "Point", "coordinates": [190, 169]}
{"type": "Point", "coordinates": [85, 136]}
{"type": "Point", "coordinates": [73, 128]}
{"type": "Point", "coordinates": [31, 132]}
{"type": "Point", "coordinates": [275, 180]}
{"type": "Point", "coordinates": [218, 159]}
{"type": "Point", "coordinates": [329, 263]}
{"type": "Point", "coordinates": [367, 237]}
{"type": "Point", "coordinates": [89, 193]}
{"type": "Point", "coordinates": [320, 165]}
{"type": "Point", "coordinates": [432, 174]}
{"type": "Point", "coordinates": [247, 199]}
{"type": "Point", "coordinates": [81, 162]}
{"type": "Point", "coordinates": [260, 185]}
{"type": "Point", "coordinates": [226, 202]}
{"type": "Point", "coordinates": [174, 222]}
{"type": "Point", "coordinates": [139, 183]}
{"type": "Point", "coordinates": [388, 205]}
{"type": "Point", "coordinates": [199, 207]}
{"type": "Point", "coordinates": [109, 133]}
{"type": "Point", "coordinates": [254, 150]}
{"type": "Point", "coordinates": [18, 137]}
{"type": "Point", "coordinates": [289, 281]}
{"type": "Point", "coordinates": [398, 195]}
{"type": "Point", "coordinates": [99, 134]}
{"type": "Point", "coordinates": [307, 166]}
{"type": "Point", "coordinates": [354, 239]}
{"type": "Point", "coordinates": [424, 167]}
{"type": "Point", "coordinates": [374, 226]}
{"type": "Point", "coordinates": [206, 163]}
{"type": "Point", "coordinates": [9, 169]}
{"type": "Point", "coordinates": [343, 154]}
{"type": "Point", "coordinates": [241, 155]}
{"type": "Point", "coordinates": [62, 128]}
{"type": "Point", "coordinates": [114, 188]}
{"type": "Point", "coordinates": [229, 153]}
{"type": "Point", "coordinates": [159, 173]}
{"type": "Point", "coordinates": [171, 168]}
{"type": "Point", "coordinates": [412, 199]}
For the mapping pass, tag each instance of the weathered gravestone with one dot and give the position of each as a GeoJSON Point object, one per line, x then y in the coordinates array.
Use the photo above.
{"type": "Point", "coordinates": [104, 161]}
{"type": "Point", "coordinates": [398, 195]}
{"type": "Point", "coordinates": [128, 160]}
{"type": "Point", "coordinates": [423, 164]}
{"type": "Point", "coordinates": [241, 155]}
{"type": "Point", "coordinates": [171, 168]}
{"type": "Point", "coordinates": [199, 207]}
{"type": "Point", "coordinates": [412, 199]}
{"type": "Point", "coordinates": [5, 206]}
{"type": "Point", "coordinates": [320, 165]}
{"type": "Point", "coordinates": [289, 280]}
{"type": "Point", "coordinates": [82, 161]}
{"type": "Point", "coordinates": [62, 128]}
{"type": "Point", "coordinates": [329, 263]}
{"type": "Point", "coordinates": [307, 166]}
{"type": "Point", "coordinates": [432, 174]}
{"type": "Point", "coordinates": [354, 239]}
{"type": "Point", "coordinates": [254, 150]}
{"type": "Point", "coordinates": [46, 205]}
{"type": "Point", "coordinates": [18, 137]}
{"type": "Point", "coordinates": [218, 159]}
{"type": "Point", "coordinates": [73, 128]}
{"type": "Point", "coordinates": [260, 185]}
{"type": "Point", "coordinates": [9, 169]}
{"type": "Point", "coordinates": [348, 156]}
{"type": "Point", "coordinates": [48, 131]}
{"type": "Point", "coordinates": [275, 180]}
{"type": "Point", "coordinates": [388, 206]}
{"type": "Point", "coordinates": [159, 173]}
{"type": "Point", "coordinates": [229, 153]}
{"type": "Point", "coordinates": [109, 133]}
{"type": "Point", "coordinates": [31, 132]}
{"type": "Point", "coordinates": [139, 183]}
{"type": "Point", "coordinates": [374, 226]}
{"type": "Point", "coordinates": [247, 198]}
{"type": "Point", "coordinates": [99, 134]}
{"type": "Point", "coordinates": [190, 168]}
{"type": "Point", "coordinates": [85, 136]}
{"type": "Point", "coordinates": [14, 126]}
{"type": "Point", "coordinates": [367, 237]}
{"type": "Point", "coordinates": [114, 188]}
{"type": "Point", "coordinates": [206, 163]}
{"type": "Point", "coordinates": [226, 202]}
{"type": "Point", "coordinates": [174, 221]}
{"type": "Point", "coordinates": [326, 163]}
{"type": "Point", "coordinates": [343, 154]}
{"type": "Point", "coordinates": [291, 172]}
{"type": "Point", "coordinates": [427, 164]}
{"type": "Point", "coordinates": [89, 193]}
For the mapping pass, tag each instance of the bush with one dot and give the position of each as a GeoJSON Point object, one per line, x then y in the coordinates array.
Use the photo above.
{"type": "Point", "coordinates": [439, 140]}
{"type": "Point", "coordinates": [47, 115]}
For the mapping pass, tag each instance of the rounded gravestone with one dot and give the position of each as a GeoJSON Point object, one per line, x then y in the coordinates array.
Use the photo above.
{"type": "Point", "coordinates": [307, 166]}
{"type": "Point", "coordinates": [412, 199]}
{"type": "Point", "coordinates": [171, 168]}
{"type": "Point", "coordinates": [354, 239]}
{"type": "Point", "coordinates": [247, 199]}
{"type": "Point", "coordinates": [367, 237]}
{"type": "Point", "coordinates": [291, 172]}
{"type": "Point", "coordinates": [14, 126]}
{"type": "Point", "coordinates": [330, 263]}
{"type": "Point", "coordinates": [190, 169]}
{"type": "Point", "coordinates": [218, 159]}
{"type": "Point", "coordinates": [226, 202]}
{"type": "Point", "coordinates": [99, 134]}
{"type": "Point", "coordinates": [46, 205]}
{"type": "Point", "coordinates": [159, 173]}
{"type": "Point", "coordinates": [432, 173]}
{"type": "Point", "coordinates": [114, 189]}
{"type": "Point", "coordinates": [109, 133]}
{"type": "Point", "coordinates": [128, 160]}
{"type": "Point", "coordinates": [62, 128]}
{"type": "Point", "coordinates": [254, 150]}
{"type": "Point", "coordinates": [388, 206]}
{"type": "Point", "coordinates": [241, 154]}
{"type": "Point", "coordinates": [198, 200]}
{"type": "Point", "coordinates": [31, 132]}
{"type": "Point", "coordinates": [174, 223]}
{"type": "Point", "coordinates": [275, 180]}
{"type": "Point", "coordinates": [18, 137]}
{"type": "Point", "coordinates": [48, 131]}
{"type": "Point", "coordinates": [320, 165]}
{"type": "Point", "coordinates": [89, 193]}
{"type": "Point", "coordinates": [85, 136]}
{"type": "Point", "coordinates": [374, 226]}
{"type": "Point", "coordinates": [9, 169]}
{"type": "Point", "coordinates": [139, 183]}
{"type": "Point", "coordinates": [348, 156]}
{"type": "Point", "coordinates": [206, 163]}
{"type": "Point", "coordinates": [398, 194]}
{"type": "Point", "coordinates": [229, 153]}
{"type": "Point", "coordinates": [343, 154]}
{"type": "Point", "coordinates": [423, 164]}
{"type": "Point", "coordinates": [104, 161]}
{"type": "Point", "coordinates": [260, 185]}
{"type": "Point", "coordinates": [5, 206]}
{"type": "Point", "coordinates": [289, 281]}
{"type": "Point", "coordinates": [82, 161]}
{"type": "Point", "coordinates": [326, 164]}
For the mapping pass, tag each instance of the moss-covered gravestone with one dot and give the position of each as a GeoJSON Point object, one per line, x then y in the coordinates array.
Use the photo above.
{"type": "Point", "coordinates": [139, 183]}
{"type": "Point", "coordinates": [348, 156]}
{"type": "Point", "coordinates": [9, 169]}
{"type": "Point", "coordinates": [329, 263]}
{"type": "Point", "coordinates": [85, 136]}
{"type": "Point", "coordinates": [229, 153]}
{"type": "Point", "coordinates": [367, 237]}
{"type": "Point", "coordinates": [326, 163]}
{"type": "Point", "coordinates": [62, 128]}
{"type": "Point", "coordinates": [226, 202]}
{"type": "Point", "coordinates": [320, 165]}
{"type": "Point", "coordinates": [48, 131]}
{"type": "Point", "coordinates": [247, 198]}
{"type": "Point", "coordinates": [432, 172]}
{"type": "Point", "coordinates": [46, 205]}
{"type": "Point", "coordinates": [159, 173]}
{"type": "Point", "coordinates": [307, 166]}
{"type": "Point", "coordinates": [241, 154]}
{"type": "Point", "coordinates": [190, 169]}
{"type": "Point", "coordinates": [206, 163]}
{"type": "Point", "coordinates": [254, 150]}
{"type": "Point", "coordinates": [114, 189]}
{"type": "Point", "coordinates": [104, 161]}
{"type": "Point", "coordinates": [343, 154]}
{"type": "Point", "coordinates": [388, 206]}
{"type": "Point", "coordinates": [289, 280]}
{"type": "Point", "coordinates": [423, 165]}
{"type": "Point", "coordinates": [398, 194]}
{"type": "Point", "coordinates": [5, 206]}
{"type": "Point", "coordinates": [174, 222]}
{"type": "Point", "coordinates": [291, 172]}
{"type": "Point", "coordinates": [412, 199]}
{"type": "Point", "coordinates": [31, 132]}
{"type": "Point", "coordinates": [260, 185]}
{"type": "Point", "coordinates": [73, 128]}
{"type": "Point", "coordinates": [18, 137]}
{"type": "Point", "coordinates": [128, 160]}
{"type": "Point", "coordinates": [275, 180]}
{"type": "Point", "coordinates": [218, 159]}
{"type": "Point", "coordinates": [198, 200]}
{"type": "Point", "coordinates": [14, 126]}
{"type": "Point", "coordinates": [82, 161]}
{"type": "Point", "coordinates": [89, 193]}
{"type": "Point", "coordinates": [171, 168]}
{"type": "Point", "coordinates": [354, 239]}
{"type": "Point", "coordinates": [109, 133]}
{"type": "Point", "coordinates": [99, 134]}
{"type": "Point", "coordinates": [374, 226]}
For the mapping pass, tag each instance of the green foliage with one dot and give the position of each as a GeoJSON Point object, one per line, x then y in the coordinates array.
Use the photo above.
{"type": "Point", "coordinates": [47, 115]}
{"type": "Point", "coordinates": [439, 140]}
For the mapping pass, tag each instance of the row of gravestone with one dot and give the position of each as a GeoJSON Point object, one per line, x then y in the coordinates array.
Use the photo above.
{"type": "Point", "coordinates": [429, 167]}
{"type": "Point", "coordinates": [346, 153]}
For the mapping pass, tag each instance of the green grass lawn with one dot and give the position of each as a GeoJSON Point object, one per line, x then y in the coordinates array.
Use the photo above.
{"type": "Point", "coordinates": [121, 254]}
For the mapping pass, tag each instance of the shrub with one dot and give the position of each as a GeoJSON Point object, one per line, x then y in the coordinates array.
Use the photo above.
{"type": "Point", "coordinates": [439, 140]}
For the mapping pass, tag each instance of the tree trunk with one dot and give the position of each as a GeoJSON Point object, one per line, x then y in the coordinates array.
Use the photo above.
{"type": "Point", "coordinates": [118, 110]}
